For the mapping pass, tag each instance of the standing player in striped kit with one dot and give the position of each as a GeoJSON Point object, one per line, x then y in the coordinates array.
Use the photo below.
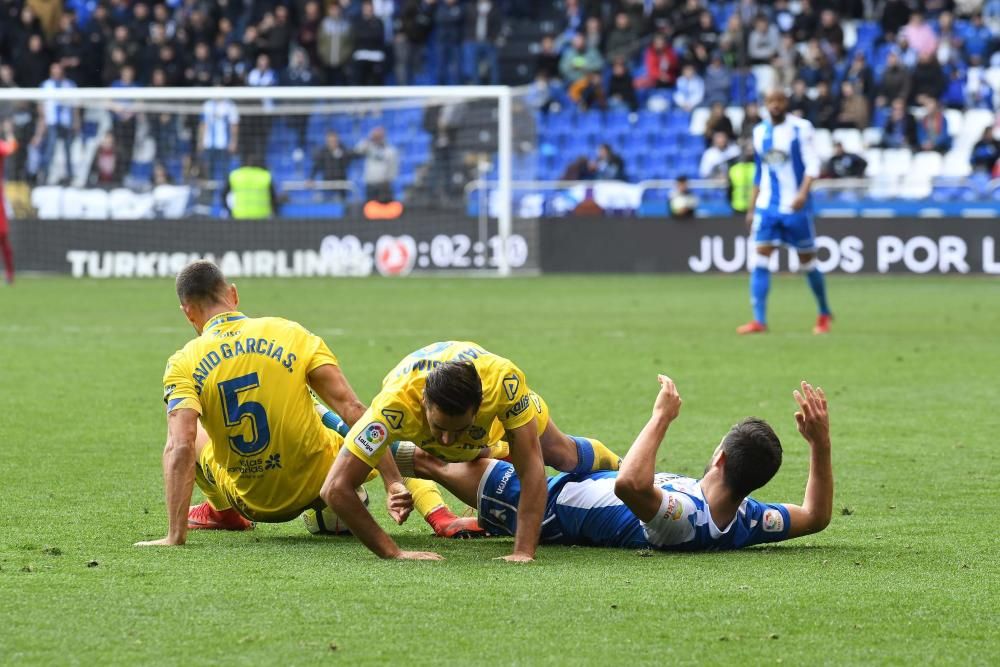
{"type": "Point", "coordinates": [780, 208]}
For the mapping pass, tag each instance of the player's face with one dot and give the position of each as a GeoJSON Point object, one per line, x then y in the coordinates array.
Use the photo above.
{"type": "Point", "coordinates": [445, 428]}
{"type": "Point", "coordinates": [777, 105]}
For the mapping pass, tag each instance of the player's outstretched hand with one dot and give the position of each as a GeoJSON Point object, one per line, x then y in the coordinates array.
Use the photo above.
{"type": "Point", "coordinates": [812, 417]}
{"type": "Point", "coordinates": [516, 558]}
{"type": "Point", "coordinates": [399, 502]}
{"type": "Point", "coordinates": [418, 555]}
{"type": "Point", "coordinates": [668, 401]}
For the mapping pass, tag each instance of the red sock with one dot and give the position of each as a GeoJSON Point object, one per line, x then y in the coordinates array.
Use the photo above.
{"type": "Point", "coordinates": [440, 518]}
{"type": "Point", "coordinates": [8, 256]}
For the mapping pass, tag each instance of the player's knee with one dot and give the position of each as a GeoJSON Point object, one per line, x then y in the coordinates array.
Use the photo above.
{"type": "Point", "coordinates": [808, 263]}
{"type": "Point", "coordinates": [561, 455]}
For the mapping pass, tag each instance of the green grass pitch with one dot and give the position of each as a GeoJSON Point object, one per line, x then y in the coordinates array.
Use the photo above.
{"type": "Point", "coordinates": [907, 572]}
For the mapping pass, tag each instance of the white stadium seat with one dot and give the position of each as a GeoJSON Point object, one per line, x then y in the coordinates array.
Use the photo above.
{"type": "Point", "coordinates": [927, 163]}
{"type": "Point", "coordinates": [896, 161]}
{"type": "Point", "coordinates": [735, 117]}
{"type": "Point", "coordinates": [993, 79]}
{"type": "Point", "coordinates": [956, 164]}
{"type": "Point", "coordinates": [872, 136]}
{"type": "Point", "coordinates": [955, 121]}
{"type": "Point", "coordinates": [873, 156]}
{"type": "Point", "coordinates": [699, 118]}
{"type": "Point", "coordinates": [824, 144]}
{"type": "Point", "coordinates": [853, 143]}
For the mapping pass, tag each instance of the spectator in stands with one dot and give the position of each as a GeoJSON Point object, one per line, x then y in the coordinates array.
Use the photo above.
{"type": "Point", "coordinates": [218, 137]}
{"type": "Point", "coordinates": [483, 24]}
{"type": "Point", "coordinates": [815, 66]}
{"type": "Point", "coordinates": [932, 130]}
{"type": "Point", "coordinates": [541, 94]}
{"type": "Point", "coordinates": [330, 163]}
{"type": "Point", "coordinates": [547, 60]}
{"type": "Point", "coordinates": [58, 124]}
{"type": "Point", "coordinates": [895, 83]}
{"type": "Point", "coordinates": [830, 34]}
{"type": "Point", "coordinates": [751, 118]}
{"type": "Point", "coordinates": [799, 102]}
{"type": "Point", "coordinates": [784, 18]}
{"type": "Point", "coordinates": [978, 41]}
{"type": "Point", "coordinates": [687, 19]}
{"type": "Point", "coordinates": [690, 90]}
{"type": "Point", "coordinates": [929, 80]}
{"type": "Point", "coordinates": [806, 22]}
{"type": "Point", "coordinates": [985, 153]}
{"type": "Point", "coordinates": [577, 62]}
{"type": "Point", "coordinates": [381, 166]}
{"type": "Point", "coordinates": [741, 175]}
{"type": "Point", "coordinates": [107, 169]}
{"type": "Point", "coordinates": [259, 125]}
{"type": "Point", "coordinates": [623, 39]}
{"type": "Point", "coordinates": [202, 70]}
{"type": "Point", "coordinates": [718, 121]}
{"type": "Point", "coordinates": [275, 35]}
{"type": "Point", "coordinates": [593, 34]}
{"type": "Point", "coordinates": [335, 43]}
{"type": "Point", "coordinates": [660, 18]}
{"type": "Point", "coordinates": [895, 15]}
{"type": "Point", "coordinates": [413, 27]}
{"type": "Point", "coordinates": [608, 165]}
{"type": "Point", "coordinates": [683, 202]}
{"type": "Point", "coordinates": [854, 112]}
{"type": "Point", "coordinates": [31, 65]}
{"type": "Point", "coordinates": [573, 20]}
{"type": "Point", "coordinates": [826, 107]}
{"type": "Point", "coordinates": [160, 175]}
{"type": "Point", "coordinates": [591, 94]}
{"type": "Point", "coordinates": [732, 42]}
{"type": "Point", "coordinates": [860, 74]}
{"type": "Point", "coordinates": [67, 45]}
{"type": "Point", "coordinates": [249, 193]}
{"type": "Point", "coordinates": [949, 50]}
{"type": "Point", "coordinates": [621, 89]}
{"type": "Point", "coordinates": [715, 160]}
{"type": "Point", "coordinates": [763, 42]}
{"type": "Point", "coordinates": [718, 81]}
{"type": "Point", "coordinates": [707, 34]}
{"type": "Point", "coordinates": [123, 120]}
{"type": "Point", "coordinates": [298, 73]}
{"type": "Point", "coordinates": [234, 67]}
{"type": "Point", "coordinates": [900, 129]}
{"type": "Point", "coordinates": [978, 92]}
{"type": "Point", "coordinates": [307, 32]}
{"type": "Point", "coordinates": [954, 92]}
{"type": "Point", "coordinates": [449, 22]}
{"type": "Point", "coordinates": [920, 35]}
{"type": "Point", "coordinates": [662, 64]}
{"type": "Point", "coordinates": [843, 164]}
{"type": "Point", "coordinates": [163, 126]}
{"type": "Point", "coordinates": [369, 47]}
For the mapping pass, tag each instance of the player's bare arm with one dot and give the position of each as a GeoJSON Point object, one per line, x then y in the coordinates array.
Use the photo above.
{"type": "Point", "coordinates": [813, 421]}
{"type": "Point", "coordinates": [754, 193]}
{"type": "Point", "coordinates": [178, 474]}
{"type": "Point", "coordinates": [526, 456]}
{"type": "Point", "coordinates": [347, 473]}
{"type": "Point", "coordinates": [634, 485]}
{"type": "Point", "coordinates": [398, 500]}
{"type": "Point", "coordinates": [331, 385]}
{"type": "Point", "coordinates": [802, 196]}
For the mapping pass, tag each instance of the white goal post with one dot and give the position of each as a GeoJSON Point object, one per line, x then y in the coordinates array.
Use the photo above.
{"type": "Point", "coordinates": [305, 101]}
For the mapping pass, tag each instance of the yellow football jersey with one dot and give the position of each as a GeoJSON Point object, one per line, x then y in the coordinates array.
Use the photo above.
{"type": "Point", "coordinates": [397, 412]}
{"type": "Point", "coordinates": [247, 378]}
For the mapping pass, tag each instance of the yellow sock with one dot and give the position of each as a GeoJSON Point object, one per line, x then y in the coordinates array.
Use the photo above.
{"type": "Point", "coordinates": [604, 458]}
{"type": "Point", "coordinates": [426, 497]}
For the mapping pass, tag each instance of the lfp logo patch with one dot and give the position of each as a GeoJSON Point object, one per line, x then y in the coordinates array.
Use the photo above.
{"type": "Point", "coordinates": [372, 437]}
{"type": "Point", "coordinates": [773, 521]}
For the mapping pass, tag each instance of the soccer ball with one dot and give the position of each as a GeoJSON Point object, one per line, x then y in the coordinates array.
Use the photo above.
{"type": "Point", "coordinates": [327, 522]}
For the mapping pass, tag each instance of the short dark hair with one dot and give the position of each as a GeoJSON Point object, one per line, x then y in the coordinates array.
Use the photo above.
{"type": "Point", "coordinates": [454, 388]}
{"type": "Point", "coordinates": [200, 282]}
{"type": "Point", "coordinates": [753, 456]}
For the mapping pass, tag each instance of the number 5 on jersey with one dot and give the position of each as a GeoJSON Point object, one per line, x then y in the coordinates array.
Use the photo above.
{"type": "Point", "coordinates": [236, 412]}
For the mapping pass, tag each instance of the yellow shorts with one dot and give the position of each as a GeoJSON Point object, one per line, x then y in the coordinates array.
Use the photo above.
{"type": "Point", "coordinates": [280, 496]}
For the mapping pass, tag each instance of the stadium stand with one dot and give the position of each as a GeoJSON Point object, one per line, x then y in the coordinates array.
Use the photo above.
{"type": "Point", "coordinates": [947, 53]}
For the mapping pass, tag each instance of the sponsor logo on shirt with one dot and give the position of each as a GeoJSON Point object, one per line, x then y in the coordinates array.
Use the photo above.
{"type": "Point", "coordinates": [394, 417]}
{"type": "Point", "coordinates": [477, 432]}
{"type": "Point", "coordinates": [675, 508]}
{"type": "Point", "coordinates": [510, 386]}
{"type": "Point", "coordinates": [518, 407]}
{"type": "Point", "coordinates": [775, 157]}
{"type": "Point", "coordinates": [773, 521]}
{"type": "Point", "coordinates": [372, 437]}
{"type": "Point", "coordinates": [503, 481]}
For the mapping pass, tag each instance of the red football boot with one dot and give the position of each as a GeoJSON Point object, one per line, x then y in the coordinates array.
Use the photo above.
{"type": "Point", "coordinates": [822, 324]}
{"type": "Point", "coordinates": [206, 517]}
{"type": "Point", "coordinates": [751, 327]}
{"type": "Point", "coordinates": [446, 524]}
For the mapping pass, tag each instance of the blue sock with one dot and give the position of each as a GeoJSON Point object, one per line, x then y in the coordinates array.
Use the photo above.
{"type": "Point", "coordinates": [760, 284]}
{"type": "Point", "coordinates": [818, 286]}
{"type": "Point", "coordinates": [584, 455]}
{"type": "Point", "coordinates": [332, 421]}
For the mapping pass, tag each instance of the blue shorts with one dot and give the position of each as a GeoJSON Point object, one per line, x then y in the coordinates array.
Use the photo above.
{"type": "Point", "coordinates": [794, 230]}
{"type": "Point", "coordinates": [499, 494]}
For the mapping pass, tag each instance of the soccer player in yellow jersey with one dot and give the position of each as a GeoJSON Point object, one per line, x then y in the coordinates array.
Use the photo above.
{"type": "Point", "coordinates": [460, 402]}
{"type": "Point", "coordinates": [261, 452]}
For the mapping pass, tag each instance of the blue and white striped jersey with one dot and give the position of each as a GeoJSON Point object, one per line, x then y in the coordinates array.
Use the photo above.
{"type": "Point", "coordinates": [785, 154]}
{"type": "Point", "coordinates": [589, 512]}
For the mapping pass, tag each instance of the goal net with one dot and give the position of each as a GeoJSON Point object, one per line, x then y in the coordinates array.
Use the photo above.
{"type": "Point", "coordinates": [357, 180]}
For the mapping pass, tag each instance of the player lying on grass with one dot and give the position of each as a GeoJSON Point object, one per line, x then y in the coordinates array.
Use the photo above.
{"type": "Point", "coordinates": [263, 452]}
{"type": "Point", "coordinates": [638, 508]}
{"type": "Point", "coordinates": [458, 402]}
